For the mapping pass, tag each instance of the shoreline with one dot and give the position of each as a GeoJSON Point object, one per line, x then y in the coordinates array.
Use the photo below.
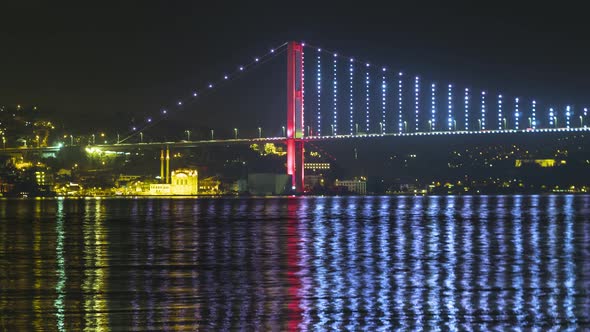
{"type": "Point", "coordinates": [272, 196]}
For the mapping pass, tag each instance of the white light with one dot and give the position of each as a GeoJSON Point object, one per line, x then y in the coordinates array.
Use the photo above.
{"type": "Point", "coordinates": [256, 59]}
{"type": "Point", "coordinates": [319, 92]}
{"type": "Point", "coordinates": [383, 102]}
{"type": "Point", "coordinates": [450, 108]}
{"type": "Point", "coordinates": [179, 103]}
{"type": "Point", "coordinates": [319, 49]}
{"type": "Point", "coordinates": [149, 120]}
{"type": "Point", "coordinates": [534, 115]}
{"type": "Point", "coordinates": [164, 111]}
{"type": "Point", "coordinates": [302, 44]}
{"type": "Point", "coordinates": [551, 117]}
{"type": "Point", "coordinates": [516, 114]}
{"type": "Point", "coordinates": [272, 50]}
{"type": "Point", "coordinates": [399, 96]}
{"type": "Point", "coordinates": [416, 102]}
{"type": "Point", "coordinates": [335, 124]}
{"type": "Point", "coordinates": [433, 108]}
{"type": "Point", "coordinates": [500, 117]}
{"type": "Point", "coordinates": [210, 85]}
{"type": "Point", "coordinates": [466, 108]}
{"type": "Point", "coordinates": [384, 69]}
{"type": "Point", "coordinates": [225, 77]}
{"type": "Point", "coordinates": [367, 98]}
{"type": "Point", "coordinates": [194, 94]}
{"type": "Point", "coordinates": [351, 80]}
{"type": "Point", "coordinates": [241, 68]}
{"type": "Point", "coordinates": [483, 110]}
{"type": "Point", "coordinates": [567, 116]}
{"type": "Point", "coordinates": [134, 129]}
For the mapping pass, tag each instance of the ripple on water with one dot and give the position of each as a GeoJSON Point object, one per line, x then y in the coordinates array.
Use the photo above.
{"type": "Point", "coordinates": [311, 263]}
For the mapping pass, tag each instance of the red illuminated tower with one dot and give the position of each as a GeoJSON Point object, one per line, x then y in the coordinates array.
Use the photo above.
{"type": "Point", "coordinates": [295, 115]}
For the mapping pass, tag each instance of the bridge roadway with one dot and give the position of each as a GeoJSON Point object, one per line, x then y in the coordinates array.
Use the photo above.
{"type": "Point", "coordinates": [192, 144]}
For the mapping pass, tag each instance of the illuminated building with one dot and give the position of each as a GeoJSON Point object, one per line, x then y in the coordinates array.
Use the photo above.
{"type": "Point", "coordinates": [159, 189]}
{"type": "Point", "coordinates": [315, 166]}
{"type": "Point", "coordinates": [209, 185]}
{"type": "Point", "coordinates": [40, 178]}
{"type": "Point", "coordinates": [353, 186]}
{"type": "Point", "coordinates": [540, 162]}
{"type": "Point", "coordinates": [183, 182]}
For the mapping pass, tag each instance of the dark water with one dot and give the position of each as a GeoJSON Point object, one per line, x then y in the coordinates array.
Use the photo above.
{"type": "Point", "coordinates": [345, 263]}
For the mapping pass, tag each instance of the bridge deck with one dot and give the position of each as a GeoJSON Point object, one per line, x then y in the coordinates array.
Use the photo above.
{"type": "Point", "coordinates": [190, 144]}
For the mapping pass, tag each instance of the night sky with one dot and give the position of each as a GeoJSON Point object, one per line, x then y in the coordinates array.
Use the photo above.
{"type": "Point", "coordinates": [104, 63]}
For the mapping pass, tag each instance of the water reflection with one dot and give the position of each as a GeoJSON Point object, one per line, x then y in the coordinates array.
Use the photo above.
{"type": "Point", "coordinates": [434, 305]}
{"type": "Point", "coordinates": [337, 263]}
{"type": "Point", "coordinates": [400, 271]}
{"type": "Point", "coordinates": [467, 267]}
{"type": "Point", "coordinates": [450, 262]}
{"type": "Point", "coordinates": [60, 285]}
{"type": "Point", "coordinates": [95, 267]}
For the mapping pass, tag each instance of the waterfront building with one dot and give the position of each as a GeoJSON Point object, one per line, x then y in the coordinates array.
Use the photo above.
{"type": "Point", "coordinates": [353, 186]}
{"type": "Point", "coordinates": [209, 186]}
{"type": "Point", "coordinates": [183, 182]}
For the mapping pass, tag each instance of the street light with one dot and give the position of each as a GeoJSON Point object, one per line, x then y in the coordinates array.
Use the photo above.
{"type": "Point", "coordinates": [454, 124]}
{"type": "Point", "coordinates": [581, 121]}
{"type": "Point", "coordinates": [141, 137]}
{"type": "Point", "coordinates": [71, 140]}
{"type": "Point", "coordinates": [260, 132]}
{"type": "Point", "coordinates": [429, 125]}
{"type": "Point", "coordinates": [212, 132]}
{"type": "Point", "coordinates": [381, 127]}
{"type": "Point", "coordinates": [4, 142]}
{"type": "Point", "coordinates": [118, 139]}
{"type": "Point", "coordinates": [479, 122]}
{"type": "Point", "coordinates": [405, 126]}
{"type": "Point", "coordinates": [236, 133]}
{"type": "Point", "coordinates": [530, 122]}
{"type": "Point", "coordinates": [356, 125]}
{"type": "Point", "coordinates": [37, 138]}
{"type": "Point", "coordinates": [188, 135]}
{"type": "Point", "coordinates": [332, 125]}
{"type": "Point", "coordinates": [92, 139]}
{"type": "Point", "coordinates": [283, 130]}
{"type": "Point", "coordinates": [504, 120]}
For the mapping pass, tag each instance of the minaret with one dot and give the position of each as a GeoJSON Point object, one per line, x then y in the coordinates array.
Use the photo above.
{"type": "Point", "coordinates": [167, 165]}
{"type": "Point", "coordinates": [161, 164]}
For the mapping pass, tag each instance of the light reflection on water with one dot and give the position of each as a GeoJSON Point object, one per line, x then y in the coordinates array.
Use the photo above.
{"type": "Point", "coordinates": [336, 263]}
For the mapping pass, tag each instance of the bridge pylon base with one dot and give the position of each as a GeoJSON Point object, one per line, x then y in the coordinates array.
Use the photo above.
{"type": "Point", "coordinates": [295, 163]}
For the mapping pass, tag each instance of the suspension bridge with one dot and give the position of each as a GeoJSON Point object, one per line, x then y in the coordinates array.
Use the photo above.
{"type": "Point", "coordinates": [336, 97]}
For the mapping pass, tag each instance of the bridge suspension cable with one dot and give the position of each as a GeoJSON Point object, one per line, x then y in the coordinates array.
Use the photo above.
{"type": "Point", "coordinates": [422, 122]}
{"type": "Point", "coordinates": [382, 113]}
{"type": "Point", "coordinates": [209, 88]}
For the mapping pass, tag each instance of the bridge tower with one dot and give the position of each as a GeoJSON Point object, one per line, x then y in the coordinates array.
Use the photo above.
{"type": "Point", "coordinates": [295, 115]}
